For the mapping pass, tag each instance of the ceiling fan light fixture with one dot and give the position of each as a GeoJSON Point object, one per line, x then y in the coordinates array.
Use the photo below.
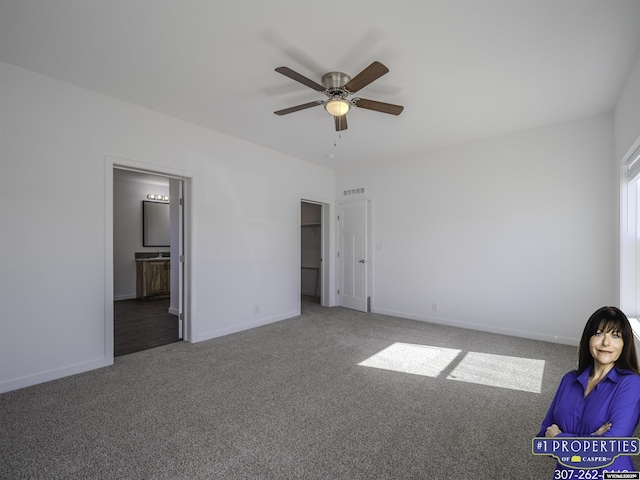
{"type": "Point", "coordinates": [337, 107]}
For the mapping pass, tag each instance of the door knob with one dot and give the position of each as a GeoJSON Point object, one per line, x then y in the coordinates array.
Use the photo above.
{"type": "Point", "coordinates": [362, 261]}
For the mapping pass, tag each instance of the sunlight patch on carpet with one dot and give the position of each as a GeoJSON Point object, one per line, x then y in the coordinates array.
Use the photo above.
{"type": "Point", "coordinates": [502, 371]}
{"type": "Point", "coordinates": [416, 359]}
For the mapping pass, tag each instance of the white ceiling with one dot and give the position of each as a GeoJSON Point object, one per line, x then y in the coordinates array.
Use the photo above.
{"type": "Point", "coordinates": [464, 70]}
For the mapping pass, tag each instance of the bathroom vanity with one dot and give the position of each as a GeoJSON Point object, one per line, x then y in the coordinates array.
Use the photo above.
{"type": "Point", "coordinates": [153, 276]}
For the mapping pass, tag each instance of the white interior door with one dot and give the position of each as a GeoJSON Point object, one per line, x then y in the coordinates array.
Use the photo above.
{"type": "Point", "coordinates": [352, 225]}
{"type": "Point", "coordinates": [181, 261]}
{"type": "Point", "coordinates": [176, 307]}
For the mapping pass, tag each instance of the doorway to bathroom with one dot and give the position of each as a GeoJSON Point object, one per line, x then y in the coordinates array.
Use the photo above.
{"type": "Point", "coordinates": [148, 260]}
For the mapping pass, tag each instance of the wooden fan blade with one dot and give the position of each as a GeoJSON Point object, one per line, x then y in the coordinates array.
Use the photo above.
{"type": "Point", "coordinates": [378, 106]}
{"type": "Point", "coordinates": [297, 108]}
{"type": "Point", "coordinates": [365, 77]}
{"type": "Point", "coordinates": [287, 72]}
{"type": "Point", "coordinates": [341, 122]}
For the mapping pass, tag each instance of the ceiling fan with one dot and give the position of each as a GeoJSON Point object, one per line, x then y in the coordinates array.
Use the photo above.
{"type": "Point", "coordinates": [337, 86]}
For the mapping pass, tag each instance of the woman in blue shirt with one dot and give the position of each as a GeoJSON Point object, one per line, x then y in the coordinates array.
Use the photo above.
{"type": "Point", "coordinates": [601, 397]}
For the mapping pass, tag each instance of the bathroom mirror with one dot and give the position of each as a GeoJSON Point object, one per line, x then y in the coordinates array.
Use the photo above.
{"type": "Point", "coordinates": [155, 224]}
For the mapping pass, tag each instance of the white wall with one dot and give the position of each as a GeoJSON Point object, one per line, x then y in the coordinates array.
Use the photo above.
{"type": "Point", "coordinates": [54, 178]}
{"type": "Point", "coordinates": [627, 112]}
{"type": "Point", "coordinates": [514, 234]}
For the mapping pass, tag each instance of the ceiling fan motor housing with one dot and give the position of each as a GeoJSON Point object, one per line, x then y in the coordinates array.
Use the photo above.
{"type": "Point", "coordinates": [334, 83]}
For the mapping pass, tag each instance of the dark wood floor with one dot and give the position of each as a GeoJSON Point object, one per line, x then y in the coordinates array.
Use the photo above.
{"type": "Point", "coordinates": [143, 324]}
{"type": "Point", "coordinates": [309, 298]}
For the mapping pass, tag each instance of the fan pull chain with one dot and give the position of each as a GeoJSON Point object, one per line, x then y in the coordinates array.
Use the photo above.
{"type": "Point", "coordinates": [338, 133]}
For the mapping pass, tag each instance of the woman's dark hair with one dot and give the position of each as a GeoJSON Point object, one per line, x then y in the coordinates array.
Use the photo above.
{"type": "Point", "coordinates": [609, 319]}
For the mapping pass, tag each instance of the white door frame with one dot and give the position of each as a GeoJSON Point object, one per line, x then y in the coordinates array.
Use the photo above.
{"type": "Point", "coordinates": [112, 162]}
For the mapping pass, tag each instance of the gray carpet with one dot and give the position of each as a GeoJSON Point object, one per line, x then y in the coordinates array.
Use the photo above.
{"type": "Point", "coordinates": [285, 401]}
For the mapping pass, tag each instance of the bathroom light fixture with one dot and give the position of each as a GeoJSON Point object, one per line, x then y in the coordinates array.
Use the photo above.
{"type": "Point", "coordinates": [337, 106]}
{"type": "Point", "coordinates": [153, 196]}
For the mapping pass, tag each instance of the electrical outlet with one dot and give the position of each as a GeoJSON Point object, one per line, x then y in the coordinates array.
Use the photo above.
{"type": "Point", "coordinates": [256, 309]}
{"type": "Point", "coordinates": [434, 307]}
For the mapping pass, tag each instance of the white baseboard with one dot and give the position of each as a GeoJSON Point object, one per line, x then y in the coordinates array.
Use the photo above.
{"type": "Point", "coordinates": [480, 327]}
{"type": "Point", "coordinates": [124, 297]}
{"type": "Point", "coordinates": [243, 326]}
{"type": "Point", "coordinates": [55, 374]}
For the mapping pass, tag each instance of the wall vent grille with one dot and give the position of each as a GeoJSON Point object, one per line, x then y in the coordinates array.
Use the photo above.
{"type": "Point", "coordinates": [354, 191]}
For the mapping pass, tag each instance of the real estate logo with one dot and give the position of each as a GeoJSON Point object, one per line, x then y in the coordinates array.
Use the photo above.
{"type": "Point", "coordinates": [588, 452]}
